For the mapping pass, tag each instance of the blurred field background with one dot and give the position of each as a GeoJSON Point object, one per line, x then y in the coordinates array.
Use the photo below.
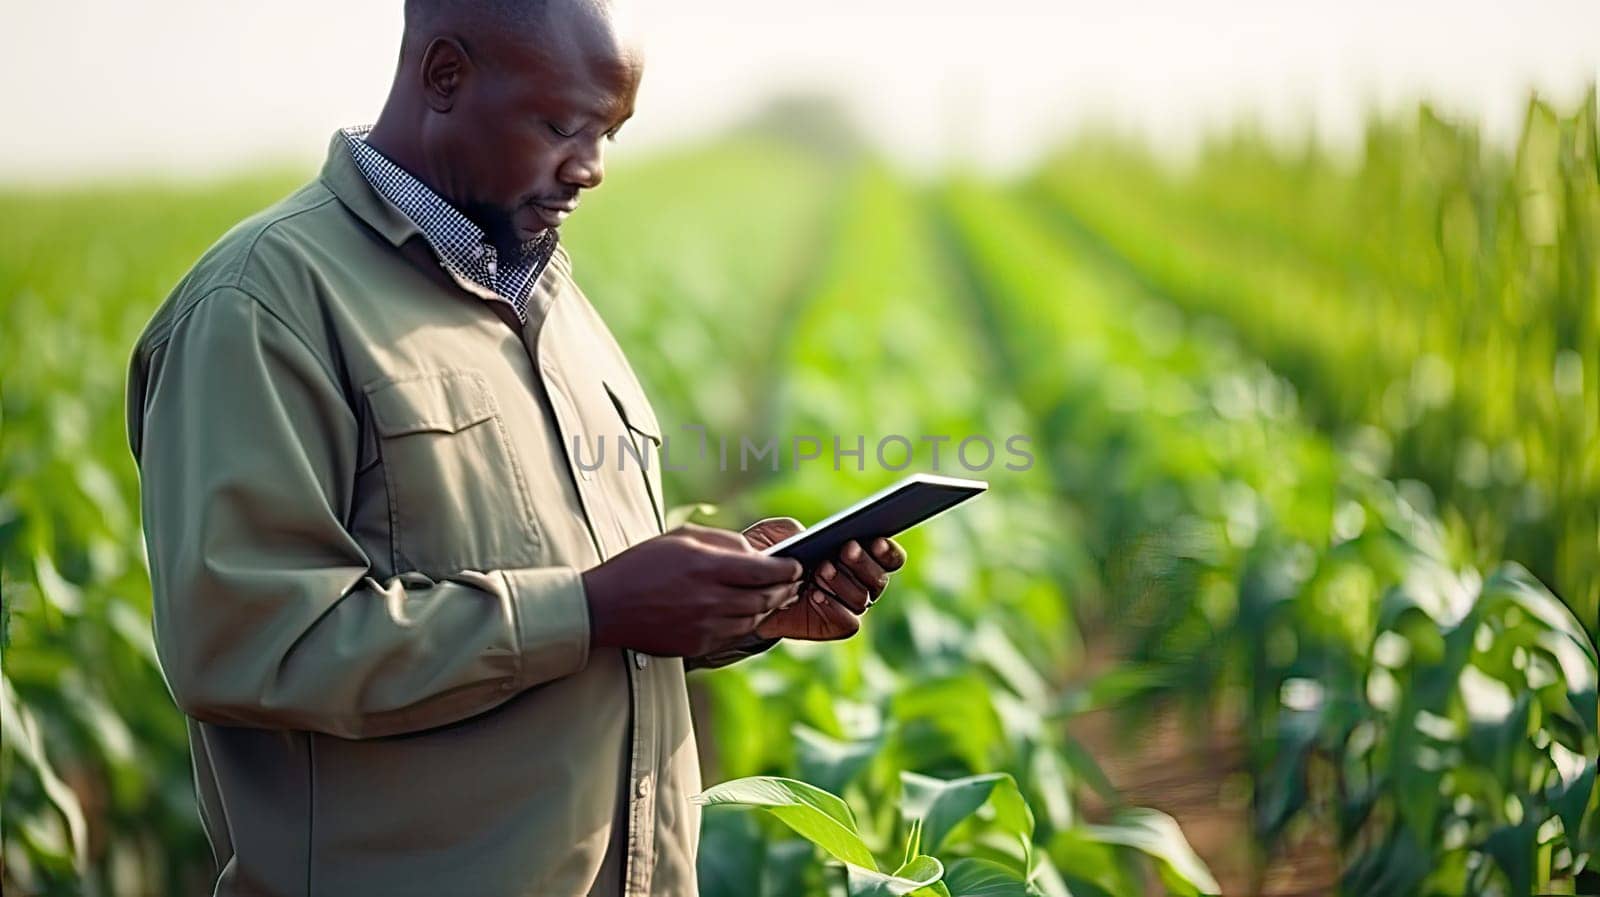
{"type": "Point", "coordinates": [1299, 597]}
{"type": "Point", "coordinates": [1313, 519]}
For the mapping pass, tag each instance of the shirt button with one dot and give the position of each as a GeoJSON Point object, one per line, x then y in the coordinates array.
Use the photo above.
{"type": "Point", "coordinates": [644, 788]}
{"type": "Point", "coordinates": [640, 661]}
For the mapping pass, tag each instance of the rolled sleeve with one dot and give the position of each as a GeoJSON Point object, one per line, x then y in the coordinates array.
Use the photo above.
{"type": "Point", "coordinates": [552, 618]}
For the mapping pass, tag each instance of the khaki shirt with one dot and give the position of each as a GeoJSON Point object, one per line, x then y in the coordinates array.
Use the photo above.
{"type": "Point", "coordinates": [365, 535]}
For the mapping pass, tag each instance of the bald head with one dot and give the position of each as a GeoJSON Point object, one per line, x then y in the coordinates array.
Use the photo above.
{"type": "Point", "coordinates": [533, 21]}
{"type": "Point", "coordinates": [504, 106]}
{"type": "Point", "coordinates": [422, 15]}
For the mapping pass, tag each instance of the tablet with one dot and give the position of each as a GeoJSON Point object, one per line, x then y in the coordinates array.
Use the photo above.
{"type": "Point", "coordinates": [886, 513]}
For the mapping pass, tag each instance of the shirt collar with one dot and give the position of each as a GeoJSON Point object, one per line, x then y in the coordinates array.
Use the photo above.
{"type": "Point", "coordinates": [346, 182]}
{"type": "Point", "coordinates": [458, 242]}
{"type": "Point", "coordinates": [451, 233]}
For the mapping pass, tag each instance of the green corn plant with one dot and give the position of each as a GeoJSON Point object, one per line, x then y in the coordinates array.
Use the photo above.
{"type": "Point", "coordinates": [1438, 298]}
{"type": "Point", "coordinates": [1292, 561]}
{"type": "Point", "coordinates": [971, 837]}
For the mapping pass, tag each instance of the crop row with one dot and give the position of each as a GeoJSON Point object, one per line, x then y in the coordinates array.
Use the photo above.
{"type": "Point", "coordinates": [1436, 303]}
{"type": "Point", "coordinates": [1441, 721]}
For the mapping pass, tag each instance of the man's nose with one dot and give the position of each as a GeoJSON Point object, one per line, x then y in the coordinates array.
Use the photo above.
{"type": "Point", "coordinates": [586, 167]}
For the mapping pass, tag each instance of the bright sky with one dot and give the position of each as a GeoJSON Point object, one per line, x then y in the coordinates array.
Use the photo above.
{"type": "Point", "coordinates": [194, 86]}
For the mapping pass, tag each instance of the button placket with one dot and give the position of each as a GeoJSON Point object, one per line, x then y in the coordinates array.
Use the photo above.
{"type": "Point", "coordinates": [643, 699]}
{"type": "Point", "coordinates": [641, 828]}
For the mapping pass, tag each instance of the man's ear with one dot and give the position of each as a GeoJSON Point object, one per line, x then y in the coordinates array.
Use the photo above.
{"type": "Point", "coordinates": [444, 67]}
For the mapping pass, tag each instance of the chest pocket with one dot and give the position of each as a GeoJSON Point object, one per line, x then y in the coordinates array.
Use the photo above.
{"type": "Point", "coordinates": [457, 498]}
{"type": "Point", "coordinates": [640, 466]}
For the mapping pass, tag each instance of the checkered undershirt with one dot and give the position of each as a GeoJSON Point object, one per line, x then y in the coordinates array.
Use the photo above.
{"type": "Point", "coordinates": [459, 244]}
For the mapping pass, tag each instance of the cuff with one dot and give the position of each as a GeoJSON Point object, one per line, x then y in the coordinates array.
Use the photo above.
{"type": "Point", "coordinates": [552, 620]}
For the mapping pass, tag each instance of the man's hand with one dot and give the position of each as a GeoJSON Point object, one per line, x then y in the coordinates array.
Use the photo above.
{"type": "Point", "coordinates": [686, 593]}
{"type": "Point", "coordinates": [856, 577]}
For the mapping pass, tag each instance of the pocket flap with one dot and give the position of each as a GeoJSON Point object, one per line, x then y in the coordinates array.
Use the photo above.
{"type": "Point", "coordinates": [634, 411]}
{"type": "Point", "coordinates": [440, 403]}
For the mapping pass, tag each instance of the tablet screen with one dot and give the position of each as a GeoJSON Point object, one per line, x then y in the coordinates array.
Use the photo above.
{"type": "Point", "coordinates": [887, 513]}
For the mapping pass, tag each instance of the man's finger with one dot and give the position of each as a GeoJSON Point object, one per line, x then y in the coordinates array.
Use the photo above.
{"type": "Point", "coordinates": [838, 581]}
{"type": "Point", "coordinates": [755, 602]}
{"type": "Point", "coordinates": [718, 538]}
{"type": "Point", "coordinates": [889, 554]}
{"type": "Point", "coordinates": [771, 531]}
{"type": "Point", "coordinates": [781, 596]}
{"type": "Point", "coordinates": [864, 568]}
{"type": "Point", "coordinates": [752, 570]}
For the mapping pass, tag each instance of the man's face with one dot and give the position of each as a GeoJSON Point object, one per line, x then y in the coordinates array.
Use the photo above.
{"type": "Point", "coordinates": [528, 129]}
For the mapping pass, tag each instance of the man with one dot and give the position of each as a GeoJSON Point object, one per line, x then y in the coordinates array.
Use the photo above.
{"type": "Point", "coordinates": [423, 652]}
